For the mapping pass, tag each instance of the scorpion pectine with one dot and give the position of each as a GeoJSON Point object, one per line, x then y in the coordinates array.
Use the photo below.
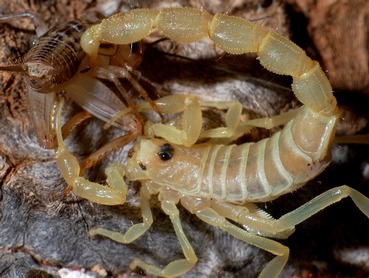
{"type": "Point", "coordinates": [220, 182]}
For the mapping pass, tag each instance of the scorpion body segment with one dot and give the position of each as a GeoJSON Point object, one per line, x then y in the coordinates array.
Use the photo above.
{"type": "Point", "coordinates": [212, 180]}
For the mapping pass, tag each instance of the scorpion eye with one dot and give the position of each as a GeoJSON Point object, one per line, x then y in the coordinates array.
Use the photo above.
{"type": "Point", "coordinates": [166, 152]}
{"type": "Point", "coordinates": [142, 166]}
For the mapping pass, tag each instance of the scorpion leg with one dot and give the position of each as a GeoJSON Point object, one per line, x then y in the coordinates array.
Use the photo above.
{"type": "Point", "coordinates": [136, 230]}
{"type": "Point", "coordinates": [174, 268]}
{"type": "Point", "coordinates": [216, 219]}
{"type": "Point", "coordinates": [320, 202]}
{"type": "Point", "coordinates": [177, 267]}
{"type": "Point", "coordinates": [190, 121]}
{"type": "Point", "coordinates": [278, 227]}
{"type": "Point", "coordinates": [189, 133]}
{"type": "Point", "coordinates": [232, 120]}
{"type": "Point", "coordinates": [270, 122]}
{"type": "Point", "coordinates": [254, 219]}
{"type": "Point", "coordinates": [234, 127]}
{"type": "Point", "coordinates": [186, 130]}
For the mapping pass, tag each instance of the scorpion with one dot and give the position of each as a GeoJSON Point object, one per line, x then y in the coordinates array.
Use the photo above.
{"type": "Point", "coordinates": [58, 63]}
{"type": "Point", "coordinates": [219, 183]}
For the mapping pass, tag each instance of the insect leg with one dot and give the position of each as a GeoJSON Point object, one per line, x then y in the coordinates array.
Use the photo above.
{"type": "Point", "coordinates": [73, 122]}
{"type": "Point", "coordinates": [113, 73]}
{"type": "Point", "coordinates": [41, 27]}
{"type": "Point", "coordinates": [100, 101]}
{"type": "Point", "coordinates": [96, 98]}
{"type": "Point", "coordinates": [103, 151]}
{"type": "Point", "coordinates": [42, 109]}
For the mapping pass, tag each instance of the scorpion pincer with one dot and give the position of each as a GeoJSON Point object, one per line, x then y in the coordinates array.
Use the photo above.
{"type": "Point", "coordinates": [215, 182]}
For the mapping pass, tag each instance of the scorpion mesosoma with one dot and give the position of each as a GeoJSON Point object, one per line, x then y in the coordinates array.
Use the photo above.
{"type": "Point", "coordinates": [57, 63]}
{"type": "Point", "coordinates": [220, 182]}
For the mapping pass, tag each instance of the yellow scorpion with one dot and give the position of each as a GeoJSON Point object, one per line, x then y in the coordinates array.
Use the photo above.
{"type": "Point", "coordinates": [215, 182]}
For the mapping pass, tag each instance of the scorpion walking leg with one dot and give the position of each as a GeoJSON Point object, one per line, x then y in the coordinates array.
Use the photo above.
{"type": "Point", "coordinates": [254, 219]}
{"type": "Point", "coordinates": [176, 267]}
{"type": "Point", "coordinates": [136, 230]}
{"type": "Point", "coordinates": [232, 120]}
{"type": "Point", "coordinates": [275, 266]}
{"type": "Point", "coordinates": [320, 202]}
{"type": "Point", "coordinates": [235, 128]}
{"type": "Point", "coordinates": [271, 122]}
{"type": "Point", "coordinates": [191, 120]}
{"type": "Point", "coordinates": [187, 129]}
{"type": "Point", "coordinates": [283, 226]}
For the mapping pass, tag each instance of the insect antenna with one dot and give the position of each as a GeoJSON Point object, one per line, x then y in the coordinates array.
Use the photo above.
{"type": "Point", "coordinates": [13, 68]}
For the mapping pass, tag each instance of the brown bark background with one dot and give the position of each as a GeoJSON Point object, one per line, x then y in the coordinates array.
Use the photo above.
{"type": "Point", "coordinates": [44, 233]}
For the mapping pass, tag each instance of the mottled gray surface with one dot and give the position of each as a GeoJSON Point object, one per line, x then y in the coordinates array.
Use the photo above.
{"type": "Point", "coordinates": [41, 229]}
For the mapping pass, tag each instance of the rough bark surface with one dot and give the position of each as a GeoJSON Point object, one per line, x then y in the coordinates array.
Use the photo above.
{"type": "Point", "coordinates": [44, 233]}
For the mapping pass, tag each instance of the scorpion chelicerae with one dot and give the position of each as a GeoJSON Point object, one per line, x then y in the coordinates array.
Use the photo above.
{"type": "Point", "coordinates": [215, 182]}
